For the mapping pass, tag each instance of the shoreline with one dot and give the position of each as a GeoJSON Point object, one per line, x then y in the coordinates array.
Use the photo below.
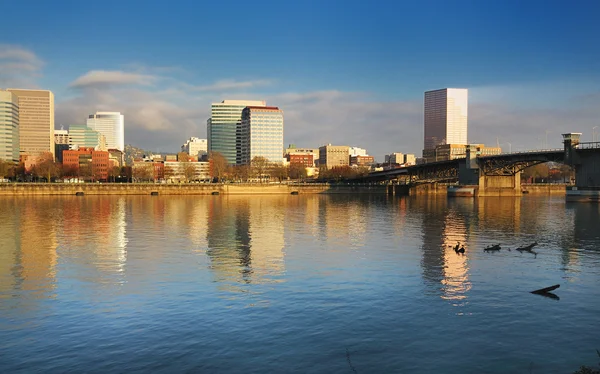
{"type": "Point", "coordinates": [81, 189]}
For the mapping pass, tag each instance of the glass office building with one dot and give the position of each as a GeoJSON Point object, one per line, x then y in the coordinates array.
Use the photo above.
{"type": "Point", "coordinates": [222, 128]}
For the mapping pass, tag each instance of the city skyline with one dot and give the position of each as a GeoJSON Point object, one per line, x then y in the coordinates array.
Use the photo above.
{"type": "Point", "coordinates": [336, 82]}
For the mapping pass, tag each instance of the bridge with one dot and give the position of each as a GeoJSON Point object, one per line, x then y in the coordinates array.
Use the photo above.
{"type": "Point", "coordinates": [500, 175]}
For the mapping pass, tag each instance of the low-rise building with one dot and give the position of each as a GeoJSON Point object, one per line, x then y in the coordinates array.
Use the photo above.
{"type": "Point", "coordinates": [195, 147]}
{"type": "Point", "coordinates": [356, 151]}
{"type": "Point", "coordinates": [394, 158]}
{"type": "Point", "coordinates": [410, 159]}
{"type": "Point", "coordinates": [303, 159]}
{"type": "Point", "coordinates": [334, 155]}
{"type": "Point", "coordinates": [86, 162]}
{"type": "Point", "coordinates": [175, 171]}
{"type": "Point", "coordinates": [446, 152]}
{"type": "Point", "coordinates": [361, 160]}
{"type": "Point", "coordinates": [116, 157]}
{"type": "Point", "coordinates": [292, 150]}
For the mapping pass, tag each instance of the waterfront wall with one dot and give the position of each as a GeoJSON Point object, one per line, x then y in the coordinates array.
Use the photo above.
{"type": "Point", "coordinates": [244, 189]}
{"type": "Point", "coordinates": [183, 189]}
{"type": "Point", "coordinates": [544, 189]}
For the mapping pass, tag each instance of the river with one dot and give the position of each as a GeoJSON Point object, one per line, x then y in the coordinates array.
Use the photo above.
{"type": "Point", "coordinates": [297, 284]}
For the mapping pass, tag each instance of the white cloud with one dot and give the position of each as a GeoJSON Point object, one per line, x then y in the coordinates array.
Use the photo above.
{"type": "Point", "coordinates": [230, 84]}
{"type": "Point", "coordinates": [103, 78]}
{"type": "Point", "coordinates": [19, 67]}
{"type": "Point", "coordinates": [161, 116]}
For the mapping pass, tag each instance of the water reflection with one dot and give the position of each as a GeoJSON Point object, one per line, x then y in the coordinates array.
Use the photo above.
{"type": "Point", "coordinates": [94, 237]}
{"type": "Point", "coordinates": [444, 225]}
{"type": "Point", "coordinates": [245, 239]}
{"type": "Point", "coordinates": [27, 248]}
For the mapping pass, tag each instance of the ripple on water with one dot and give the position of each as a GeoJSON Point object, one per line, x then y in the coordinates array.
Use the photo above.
{"type": "Point", "coordinates": [296, 284]}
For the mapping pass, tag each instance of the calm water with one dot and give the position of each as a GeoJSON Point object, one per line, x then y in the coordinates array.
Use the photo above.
{"type": "Point", "coordinates": [302, 284]}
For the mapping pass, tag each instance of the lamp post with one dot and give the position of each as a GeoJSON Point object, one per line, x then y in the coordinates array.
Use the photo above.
{"type": "Point", "coordinates": [594, 133]}
{"type": "Point", "coordinates": [546, 145]}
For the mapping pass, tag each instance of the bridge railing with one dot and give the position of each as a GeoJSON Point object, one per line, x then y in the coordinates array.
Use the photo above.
{"type": "Point", "coordinates": [588, 145]}
{"type": "Point", "coordinates": [529, 151]}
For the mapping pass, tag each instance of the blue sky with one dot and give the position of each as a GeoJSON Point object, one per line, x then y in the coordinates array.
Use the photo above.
{"type": "Point", "coordinates": [344, 72]}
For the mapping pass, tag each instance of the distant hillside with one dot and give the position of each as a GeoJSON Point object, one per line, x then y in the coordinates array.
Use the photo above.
{"type": "Point", "coordinates": [132, 152]}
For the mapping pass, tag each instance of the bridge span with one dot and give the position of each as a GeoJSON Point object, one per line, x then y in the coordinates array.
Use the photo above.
{"type": "Point", "coordinates": [500, 175]}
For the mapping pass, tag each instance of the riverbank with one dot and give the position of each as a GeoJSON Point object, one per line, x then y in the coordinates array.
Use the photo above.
{"type": "Point", "coordinates": [17, 189]}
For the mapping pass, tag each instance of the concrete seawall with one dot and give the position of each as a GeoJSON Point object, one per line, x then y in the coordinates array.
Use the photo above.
{"type": "Point", "coordinates": [442, 189]}
{"type": "Point", "coordinates": [544, 189]}
{"type": "Point", "coordinates": [13, 189]}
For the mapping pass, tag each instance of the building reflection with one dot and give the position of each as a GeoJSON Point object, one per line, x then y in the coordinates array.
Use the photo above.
{"type": "Point", "coordinates": [245, 239]}
{"type": "Point", "coordinates": [342, 220]}
{"type": "Point", "coordinates": [583, 218]}
{"type": "Point", "coordinates": [444, 224]}
{"type": "Point", "coordinates": [10, 247]}
{"type": "Point", "coordinates": [28, 247]}
{"type": "Point", "coordinates": [501, 213]}
{"type": "Point", "coordinates": [95, 229]}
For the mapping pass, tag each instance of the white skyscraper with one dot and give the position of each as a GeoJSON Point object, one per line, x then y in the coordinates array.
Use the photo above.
{"type": "Point", "coordinates": [112, 126]}
{"type": "Point", "coordinates": [445, 117]}
{"type": "Point", "coordinates": [261, 134]}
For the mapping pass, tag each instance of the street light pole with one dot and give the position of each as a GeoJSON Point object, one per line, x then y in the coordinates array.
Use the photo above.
{"type": "Point", "coordinates": [594, 133]}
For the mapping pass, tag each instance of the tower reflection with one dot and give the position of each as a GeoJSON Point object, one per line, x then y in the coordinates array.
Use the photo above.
{"type": "Point", "coordinates": [28, 244]}
{"type": "Point", "coordinates": [444, 224]}
{"type": "Point", "coordinates": [245, 238]}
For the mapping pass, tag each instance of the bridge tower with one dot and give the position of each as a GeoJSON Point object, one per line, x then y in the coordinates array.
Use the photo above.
{"type": "Point", "coordinates": [571, 141]}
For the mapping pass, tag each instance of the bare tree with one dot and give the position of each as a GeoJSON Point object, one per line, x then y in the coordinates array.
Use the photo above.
{"type": "Point", "coordinates": [279, 171]}
{"type": "Point", "coordinates": [260, 167]}
{"type": "Point", "coordinates": [189, 170]}
{"type": "Point", "coordinates": [46, 167]}
{"type": "Point", "coordinates": [6, 169]}
{"type": "Point", "coordinates": [85, 171]}
{"type": "Point", "coordinates": [114, 172]}
{"type": "Point", "coordinates": [297, 171]}
{"type": "Point", "coordinates": [218, 165]}
{"type": "Point", "coordinates": [144, 172]}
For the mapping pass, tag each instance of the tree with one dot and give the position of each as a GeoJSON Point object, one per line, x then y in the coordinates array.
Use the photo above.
{"type": "Point", "coordinates": [6, 169]}
{"type": "Point", "coordinates": [297, 171]}
{"type": "Point", "coordinates": [218, 165]}
{"type": "Point", "coordinates": [536, 172]}
{"type": "Point", "coordinates": [241, 172]}
{"type": "Point", "coordinates": [183, 157]}
{"type": "Point", "coordinates": [85, 171]}
{"type": "Point", "coordinates": [46, 167]}
{"type": "Point", "coordinates": [279, 171]}
{"type": "Point", "coordinates": [113, 173]}
{"type": "Point", "coordinates": [143, 171]}
{"type": "Point", "coordinates": [127, 172]}
{"type": "Point", "coordinates": [259, 167]}
{"type": "Point", "coordinates": [189, 170]}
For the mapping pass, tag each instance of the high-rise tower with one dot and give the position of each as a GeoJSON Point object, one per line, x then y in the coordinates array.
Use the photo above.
{"type": "Point", "coordinates": [261, 134]}
{"type": "Point", "coordinates": [112, 126]}
{"type": "Point", "coordinates": [222, 128]}
{"type": "Point", "coordinates": [9, 126]}
{"type": "Point", "coordinates": [445, 117]}
{"type": "Point", "coordinates": [36, 121]}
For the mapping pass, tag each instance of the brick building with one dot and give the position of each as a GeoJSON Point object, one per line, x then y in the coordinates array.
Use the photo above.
{"type": "Point", "coordinates": [362, 160]}
{"type": "Point", "coordinates": [87, 162]}
{"type": "Point", "coordinates": [304, 159]}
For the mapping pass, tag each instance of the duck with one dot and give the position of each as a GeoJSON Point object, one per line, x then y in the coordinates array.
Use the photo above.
{"type": "Point", "coordinates": [456, 247]}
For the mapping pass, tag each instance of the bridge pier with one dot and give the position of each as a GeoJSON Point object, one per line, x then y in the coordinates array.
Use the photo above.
{"type": "Point", "coordinates": [500, 185]}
